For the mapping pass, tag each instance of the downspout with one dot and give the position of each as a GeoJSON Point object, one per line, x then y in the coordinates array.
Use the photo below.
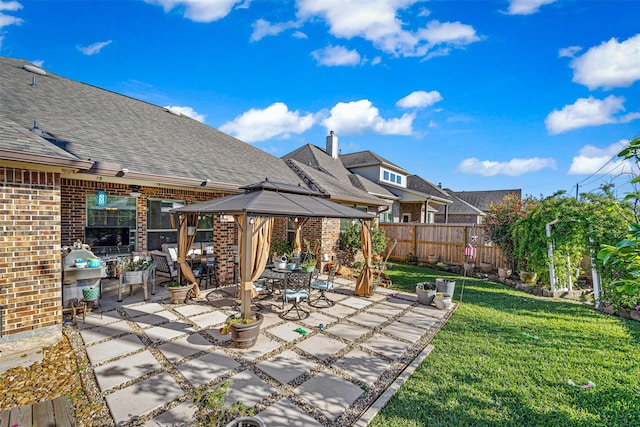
{"type": "Point", "coordinates": [552, 271]}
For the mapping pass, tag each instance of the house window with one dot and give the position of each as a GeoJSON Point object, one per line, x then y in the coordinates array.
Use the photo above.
{"type": "Point", "coordinates": [406, 217]}
{"type": "Point", "coordinates": [386, 217]}
{"type": "Point", "coordinates": [399, 179]}
{"type": "Point", "coordinates": [159, 229]}
{"type": "Point", "coordinates": [393, 177]}
{"type": "Point", "coordinates": [291, 230]}
{"type": "Point", "coordinates": [385, 175]}
{"type": "Point", "coordinates": [111, 227]}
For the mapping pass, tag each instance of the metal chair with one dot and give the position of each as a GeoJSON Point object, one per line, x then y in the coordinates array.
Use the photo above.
{"type": "Point", "coordinates": [295, 290]}
{"type": "Point", "coordinates": [323, 286]}
{"type": "Point", "coordinates": [209, 273]}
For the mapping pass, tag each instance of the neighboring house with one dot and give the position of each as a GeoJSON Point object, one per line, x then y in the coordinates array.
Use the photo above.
{"type": "Point", "coordinates": [417, 200]}
{"type": "Point", "coordinates": [482, 199]}
{"type": "Point", "coordinates": [459, 212]}
{"type": "Point", "coordinates": [80, 163]}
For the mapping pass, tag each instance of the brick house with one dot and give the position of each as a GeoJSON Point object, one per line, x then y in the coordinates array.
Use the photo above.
{"type": "Point", "coordinates": [81, 163]}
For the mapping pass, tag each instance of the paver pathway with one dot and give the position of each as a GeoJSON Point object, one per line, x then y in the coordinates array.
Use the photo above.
{"type": "Point", "coordinates": [147, 357]}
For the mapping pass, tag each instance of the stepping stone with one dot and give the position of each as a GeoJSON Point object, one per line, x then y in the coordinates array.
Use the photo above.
{"type": "Point", "coordinates": [347, 331]}
{"type": "Point", "coordinates": [356, 303]}
{"type": "Point", "coordinates": [418, 320]}
{"type": "Point", "coordinates": [386, 346]}
{"type": "Point", "coordinates": [401, 330]}
{"type": "Point", "coordinates": [398, 302]}
{"type": "Point", "coordinates": [340, 311]}
{"type": "Point", "coordinates": [100, 333]}
{"type": "Point", "coordinates": [243, 382]}
{"type": "Point", "coordinates": [362, 366]}
{"type": "Point", "coordinates": [430, 311]}
{"type": "Point", "coordinates": [384, 310]}
{"type": "Point", "coordinates": [113, 348]}
{"type": "Point", "coordinates": [122, 370]}
{"type": "Point", "coordinates": [143, 397]}
{"type": "Point", "coordinates": [193, 309]}
{"type": "Point", "coordinates": [206, 368]}
{"type": "Point", "coordinates": [153, 319]}
{"type": "Point", "coordinates": [321, 346]}
{"type": "Point", "coordinates": [329, 393]}
{"type": "Point", "coordinates": [287, 331]}
{"type": "Point", "coordinates": [95, 319]}
{"type": "Point", "coordinates": [316, 319]}
{"type": "Point", "coordinates": [262, 346]}
{"type": "Point", "coordinates": [142, 309]}
{"type": "Point", "coordinates": [270, 319]}
{"type": "Point", "coordinates": [216, 335]}
{"type": "Point", "coordinates": [285, 413]}
{"type": "Point", "coordinates": [209, 319]}
{"type": "Point", "coordinates": [286, 366]}
{"type": "Point", "coordinates": [168, 331]}
{"type": "Point", "coordinates": [368, 319]}
{"type": "Point", "coordinates": [181, 415]}
{"type": "Point", "coordinates": [183, 347]}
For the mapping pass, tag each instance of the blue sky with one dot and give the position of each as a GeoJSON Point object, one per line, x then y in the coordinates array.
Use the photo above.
{"type": "Point", "coordinates": [476, 95]}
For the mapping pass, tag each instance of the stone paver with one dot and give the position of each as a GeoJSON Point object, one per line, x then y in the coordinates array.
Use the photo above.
{"type": "Point", "coordinates": [385, 346]}
{"type": "Point", "coordinates": [404, 331]}
{"type": "Point", "coordinates": [183, 347]}
{"type": "Point", "coordinates": [168, 331]}
{"type": "Point", "coordinates": [193, 309]}
{"type": "Point", "coordinates": [418, 320]}
{"type": "Point", "coordinates": [243, 382]}
{"type": "Point", "coordinates": [207, 367]}
{"type": "Point", "coordinates": [262, 346]}
{"type": "Point", "coordinates": [316, 319]}
{"type": "Point", "coordinates": [385, 310]}
{"type": "Point", "coordinates": [330, 393]}
{"type": "Point", "coordinates": [154, 319]}
{"type": "Point", "coordinates": [100, 333]}
{"type": "Point", "coordinates": [356, 303]}
{"type": "Point", "coordinates": [338, 311]}
{"type": "Point", "coordinates": [286, 366]}
{"type": "Point", "coordinates": [362, 366]}
{"type": "Point", "coordinates": [143, 397]}
{"type": "Point", "coordinates": [92, 320]}
{"type": "Point", "coordinates": [284, 413]}
{"type": "Point", "coordinates": [209, 319]}
{"type": "Point", "coordinates": [429, 311]}
{"type": "Point", "coordinates": [321, 346]}
{"type": "Point", "coordinates": [142, 309]}
{"type": "Point", "coordinates": [398, 302]}
{"type": "Point", "coordinates": [347, 331]}
{"type": "Point", "coordinates": [368, 319]}
{"type": "Point", "coordinates": [287, 331]}
{"type": "Point", "coordinates": [110, 349]}
{"type": "Point", "coordinates": [122, 370]}
{"type": "Point", "coordinates": [181, 415]}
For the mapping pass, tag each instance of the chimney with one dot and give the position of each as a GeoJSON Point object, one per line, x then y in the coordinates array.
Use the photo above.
{"type": "Point", "coordinates": [332, 145]}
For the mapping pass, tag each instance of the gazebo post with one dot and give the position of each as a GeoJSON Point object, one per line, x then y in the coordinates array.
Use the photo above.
{"type": "Point", "coordinates": [245, 266]}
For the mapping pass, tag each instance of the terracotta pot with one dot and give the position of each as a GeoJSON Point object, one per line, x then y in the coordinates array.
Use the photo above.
{"type": "Point", "coordinates": [245, 335]}
{"type": "Point", "coordinates": [178, 295]}
{"type": "Point", "coordinates": [486, 267]}
{"type": "Point", "coordinates": [433, 259]}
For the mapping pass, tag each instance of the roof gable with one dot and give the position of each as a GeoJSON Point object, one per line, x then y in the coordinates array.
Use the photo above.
{"type": "Point", "coordinates": [482, 199]}
{"type": "Point", "coordinates": [368, 158]}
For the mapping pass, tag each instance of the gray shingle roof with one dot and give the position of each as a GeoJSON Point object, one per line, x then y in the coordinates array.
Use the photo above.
{"type": "Point", "coordinates": [482, 199]}
{"type": "Point", "coordinates": [367, 158]}
{"type": "Point", "coordinates": [92, 123]}
{"type": "Point", "coordinates": [415, 182]}
{"type": "Point", "coordinates": [460, 207]}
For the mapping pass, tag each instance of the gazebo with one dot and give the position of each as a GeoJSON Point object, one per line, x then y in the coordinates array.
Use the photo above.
{"type": "Point", "coordinates": [253, 212]}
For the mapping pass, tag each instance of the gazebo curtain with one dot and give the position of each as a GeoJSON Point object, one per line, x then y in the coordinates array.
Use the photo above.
{"type": "Point", "coordinates": [185, 241]}
{"type": "Point", "coordinates": [253, 254]}
{"type": "Point", "coordinates": [297, 237]}
{"type": "Point", "coordinates": [364, 281]}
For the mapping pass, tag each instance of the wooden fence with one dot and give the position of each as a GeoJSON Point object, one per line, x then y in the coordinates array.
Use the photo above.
{"type": "Point", "coordinates": [445, 240]}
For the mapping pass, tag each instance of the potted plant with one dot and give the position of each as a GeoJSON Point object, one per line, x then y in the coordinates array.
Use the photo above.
{"type": "Point", "coordinates": [244, 331]}
{"type": "Point", "coordinates": [378, 243]}
{"type": "Point", "coordinates": [486, 267]}
{"type": "Point", "coordinates": [133, 272]}
{"type": "Point", "coordinates": [528, 277]}
{"type": "Point", "coordinates": [212, 411]}
{"type": "Point", "coordinates": [442, 301]}
{"type": "Point", "coordinates": [177, 292]}
{"type": "Point", "coordinates": [308, 265]}
{"type": "Point", "coordinates": [433, 259]}
{"type": "Point", "coordinates": [426, 292]}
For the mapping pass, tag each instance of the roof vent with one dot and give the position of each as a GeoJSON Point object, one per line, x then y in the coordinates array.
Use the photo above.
{"type": "Point", "coordinates": [174, 111]}
{"type": "Point", "coordinates": [33, 82]}
{"type": "Point", "coordinates": [34, 69]}
{"type": "Point", "coordinates": [35, 129]}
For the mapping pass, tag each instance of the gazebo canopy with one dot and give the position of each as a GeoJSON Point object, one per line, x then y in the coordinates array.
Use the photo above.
{"type": "Point", "coordinates": [273, 199]}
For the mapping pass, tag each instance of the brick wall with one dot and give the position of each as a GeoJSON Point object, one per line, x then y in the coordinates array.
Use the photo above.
{"type": "Point", "coordinates": [30, 268]}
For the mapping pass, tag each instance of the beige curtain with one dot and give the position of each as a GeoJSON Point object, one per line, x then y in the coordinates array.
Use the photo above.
{"type": "Point", "coordinates": [297, 238]}
{"type": "Point", "coordinates": [184, 244]}
{"type": "Point", "coordinates": [254, 241]}
{"type": "Point", "coordinates": [363, 284]}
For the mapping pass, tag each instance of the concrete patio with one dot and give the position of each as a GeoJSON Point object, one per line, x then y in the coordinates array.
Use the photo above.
{"type": "Point", "coordinates": [146, 356]}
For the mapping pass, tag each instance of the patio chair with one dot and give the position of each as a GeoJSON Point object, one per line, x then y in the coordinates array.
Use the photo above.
{"type": "Point", "coordinates": [164, 265]}
{"type": "Point", "coordinates": [323, 286]}
{"type": "Point", "coordinates": [295, 291]}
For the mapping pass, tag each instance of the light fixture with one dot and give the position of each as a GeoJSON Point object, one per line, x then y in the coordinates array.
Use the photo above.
{"type": "Point", "coordinates": [134, 191]}
{"type": "Point", "coordinates": [122, 171]}
{"type": "Point", "coordinates": [205, 182]}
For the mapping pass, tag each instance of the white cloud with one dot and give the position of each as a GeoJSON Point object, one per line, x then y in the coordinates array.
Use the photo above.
{"type": "Point", "coordinates": [587, 112]}
{"type": "Point", "coordinates": [38, 62]}
{"type": "Point", "coordinates": [352, 118]}
{"type": "Point", "coordinates": [378, 22]}
{"type": "Point", "coordinates": [201, 10]}
{"type": "Point", "coordinates": [299, 35]}
{"type": "Point", "coordinates": [94, 48]}
{"type": "Point", "coordinates": [263, 28]}
{"type": "Point", "coordinates": [186, 111]}
{"type": "Point", "coordinates": [377, 60]}
{"type": "Point", "coordinates": [275, 120]}
{"type": "Point", "coordinates": [333, 56]}
{"type": "Point", "coordinates": [6, 20]}
{"type": "Point", "coordinates": [514, 167]}
{"type": "Point", "coordinates": [591, 159]}
{"type": "Point", "coordinates": [419, 99]}
{"type": "Point", "coordinates": [526, 7]}
{"type": "Point", "coordinates": [611, 64]}
{"type": "Point", "coordinates": [569, 52]}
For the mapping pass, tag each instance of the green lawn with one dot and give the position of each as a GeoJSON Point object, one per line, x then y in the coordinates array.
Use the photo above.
{"type": "Point", "coordinates": [484, 371]}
